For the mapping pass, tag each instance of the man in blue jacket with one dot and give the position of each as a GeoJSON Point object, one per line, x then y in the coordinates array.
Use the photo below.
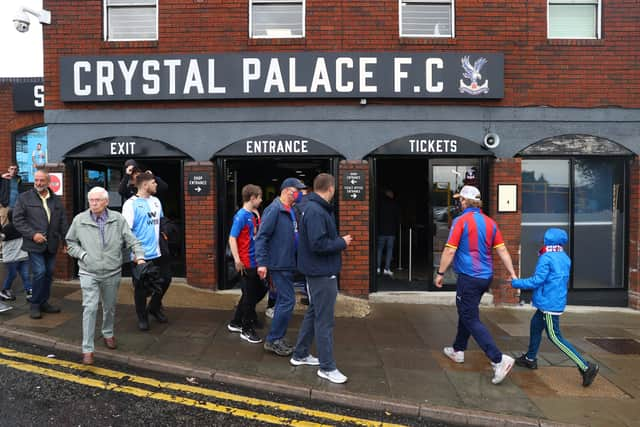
{"type": "Point", "coordinates": [320, 260]}
{"type": "Point", "coordinates": [549, 285]}
{"type": "Point", "coordinates": [276, 248]}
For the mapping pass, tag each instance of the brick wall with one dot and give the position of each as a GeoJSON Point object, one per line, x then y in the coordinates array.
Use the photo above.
{"type": "Point", "coordinates": [10, 122]}
{"type": "Point", "coordinates": [634, 235]}
{"type": "Point", "coordinates": [200, 229]}
{"type": "Point", "coordinates": [538, 71]}
{"type": "Point", "coordinates": [354, 220]}
{"type": "Point", "coordinates": [506, 171]}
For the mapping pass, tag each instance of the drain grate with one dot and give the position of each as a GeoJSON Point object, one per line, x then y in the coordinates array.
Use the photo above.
{"type": "Point", "coordinates": [617, 345]}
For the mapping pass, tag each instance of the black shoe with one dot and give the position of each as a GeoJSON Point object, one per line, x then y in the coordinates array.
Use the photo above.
{"type": "Point", "coordinates": [28, 295]}
{"type": "Point", "coordinates": [250, 335]}
{"type": "Point", "coordinates": [590, 374]}
{"type": "Point", "coordinates": [526, 363]}
{"type": "Point", "coordinates": [35, 313]}
{"type": "Point", "coordinates": [143, 324]}
{"type": "Point", "coordinates": [234, 327]}
{"type": "Point", "coordinates": [278, 348]}
{"type": "Point", "coordinates": [159, 315]}
{"type": "Point", "coordinates": [48, 308]}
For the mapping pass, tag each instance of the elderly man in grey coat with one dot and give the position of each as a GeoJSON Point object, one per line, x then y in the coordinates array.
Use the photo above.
{"type": "Point", "coordinates": [96, 238]}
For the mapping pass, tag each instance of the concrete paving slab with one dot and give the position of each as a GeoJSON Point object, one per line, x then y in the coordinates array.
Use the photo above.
{"type": "Point", "coordinates": [428, 386]}
{"type": "Point", "coordinates": [590, 412]}
{"type": "Point", "coordinates": [568, 382]}
{"type": "Point", "coordinates": [412, 359]}
{"type": "Point", "coordinates": [48, 321]}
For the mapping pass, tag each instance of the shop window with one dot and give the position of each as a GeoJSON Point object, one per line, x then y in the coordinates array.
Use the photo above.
{"type": "Point", "coordinates": [130, 20]}
{"type": "Point", "coordinates": [276, 18]}
{"type": "Point", "coordinates": [31, 151]}
{"type": "Point", "coordinates": [426, 18]}
{"type": "Point", "coordinates": [574, 19]}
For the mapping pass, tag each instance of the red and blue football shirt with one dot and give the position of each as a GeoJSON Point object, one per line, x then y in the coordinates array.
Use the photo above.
{"type": "Point", "coordinates": [474, 236]}
{"type": "Point", "coordinates": [244, 229]}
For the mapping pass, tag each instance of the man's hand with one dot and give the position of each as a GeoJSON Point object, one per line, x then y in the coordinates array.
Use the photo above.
{"type": "Point", "coordinates": [262, 272]}
{"type": "Point", "coordinates": [347, 239]}
{"type": "Point", "coordinates": [439, 281]}
{"type": "Point", "coordinates": [39, 238]}
{"type": "Point", "coordinates": [240, 268]}
{"type": "Point", "coordinates": [140, 261]}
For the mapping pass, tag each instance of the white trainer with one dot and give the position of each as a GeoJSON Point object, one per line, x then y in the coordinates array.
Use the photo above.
{"type": "Point", "coordinates": [334, 376]}
{"type": "Point", "coordinates": [309, 360]}
{"type": "Point", "coordinates": [503, 368]}
{"type": "Point", "coordinates": [4, 307]}
{"type": "Point", "coordinates": [456, 356]}
{"type": "Point", "coordinates": [387, 272]}
{"type": "Point", "coordinates": [269, 312]}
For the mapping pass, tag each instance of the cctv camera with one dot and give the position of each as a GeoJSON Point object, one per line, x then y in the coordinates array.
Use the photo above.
{"type": "Point", "coordinates": [21, 22]}
{"type": "Point", "coordinates": [491, 140]}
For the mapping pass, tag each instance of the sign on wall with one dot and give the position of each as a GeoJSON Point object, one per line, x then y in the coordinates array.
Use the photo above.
{"type": "Point", "coordinates": [282, 75]}
{"type": "Point", "coordinates": [199, 184]}
{"type": "Point", "coordinates": [28, 97]}
{"type": "Point", "coordinates": [432, 145]}
{"type": "Point", "coordinates": [56, 183]}
{"type": "Point", "coordinates": [277, 145]}
{"type": "Point", "coordinates": [353, 186]}
{"type": "Point", "coordinates": [124, 147]}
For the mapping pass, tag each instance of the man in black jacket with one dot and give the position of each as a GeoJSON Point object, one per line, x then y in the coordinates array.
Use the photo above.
{"type": "Point", "coordinates": [320, 260]}
{"type": "Point", "coordinates": [40, 217]}
{"type": "Point", "coordinates": [9, 191]}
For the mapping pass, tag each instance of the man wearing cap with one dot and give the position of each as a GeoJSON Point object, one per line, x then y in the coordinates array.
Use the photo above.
{"type": "Point", "coordinates": [471, 239]}
{"type": "Point", "coordinates": [276, 247]}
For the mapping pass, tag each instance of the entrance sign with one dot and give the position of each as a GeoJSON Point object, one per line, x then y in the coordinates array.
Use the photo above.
{"type": "Point", "coordinates": [55, 183]}
{"type": "Point", "coordinates": [125, 147]}
{"type": "Point", "coordinates": [277, 145]}
{"type": "Point", "coordinates": [282, 75]}
{"type": "Point", "coordinates": [199, 184]}
{"type": "Point", "coordinates": [432, 145]}
{"type": "Point", "coordinates": [353, 186]}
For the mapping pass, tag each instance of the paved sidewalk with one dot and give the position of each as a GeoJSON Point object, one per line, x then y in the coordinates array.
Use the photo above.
{"type": "Point", "coordinates": [393, 357]}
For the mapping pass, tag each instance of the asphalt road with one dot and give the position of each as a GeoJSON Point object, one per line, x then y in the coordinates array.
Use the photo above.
{"type": "Point", "coordinates": [56, 391]}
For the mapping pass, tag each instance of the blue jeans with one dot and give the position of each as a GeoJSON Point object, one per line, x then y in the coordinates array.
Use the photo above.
{"type": "Point", "coordinates": [319, 321]}
{"type": "Point", "coordinates": [551, 322]}
{"type": "Point", "coordinates": [285, 302]}
{"type": "Point", "coordinates": [13, 268]}
{"type": "Point", "coordinates": [385, 241]}
{"type": "Point", "coordinates": [469, 291]}
{"type": "Point", "coordinates": [42, 266]}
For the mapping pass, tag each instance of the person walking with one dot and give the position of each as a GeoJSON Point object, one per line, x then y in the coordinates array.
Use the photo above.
{"type": "Point", "coordinates": [96, 238]}
{"type": "Point", "coordinates": [472, 237]}
{"type": "Point", "coordinates": [40, 217]}
{"type": "Point", "coordinates": [143, 213]}
{"type": "Point", "coordinates": [388, 224]}
{"type": "Point", "coordinates": [549, 285]}
{"type": "Point", "coordinates": [320, 260]}
{"type": "Point", "coordinates": [246, 223]}
{"type": "Point", "coordinates": [9, 191]}
{"type": "Point", "coordinates": [16, 260]}
{"type": "Point", "coordinates": [276, 248]}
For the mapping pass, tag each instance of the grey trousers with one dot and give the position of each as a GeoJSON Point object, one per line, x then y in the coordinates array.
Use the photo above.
{"type": "Point", "coordinates": [95, 290]}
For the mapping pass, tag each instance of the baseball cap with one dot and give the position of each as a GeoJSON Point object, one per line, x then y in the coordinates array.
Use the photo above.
{"type": "Point", "coordinates": [292, 182]}
{"type": "Point", "coordinates": [468, 192]}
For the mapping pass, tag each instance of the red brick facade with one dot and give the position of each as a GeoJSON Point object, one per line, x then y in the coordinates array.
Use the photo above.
{"type": "Point", "coordinates": [10, 122]}
{"type": "Point", "coordinates": [634, 235]}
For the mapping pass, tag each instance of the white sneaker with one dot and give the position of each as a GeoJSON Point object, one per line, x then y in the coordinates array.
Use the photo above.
{"type": "Point", "coordinates": [388, 273]}
{"type": "Point", "coordinates": [334, 376]}
{"type": "Point", "coordinates": [269, 312]}
{"type": "Point", "coordinates": [4, 307]}
{"type": "Point", "coordinates": [378, 271]}
{"type": "Point", "coordinates": [309, 360]}
{"type": "Point", "coordinates": [456, 356]}
{"type": "Point", "coordinates": [503, 368]}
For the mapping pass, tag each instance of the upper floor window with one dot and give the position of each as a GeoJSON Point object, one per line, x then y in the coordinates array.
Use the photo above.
{"type": "Point", "coordinates": [426, 18]}
{"type": "Point", "coordinates": [130, 20]}
{"type": "Point", "coordinates": [31, 151]}
{"type": "Point", "coordinates": [276, 18]}
{"type": "Point", "coordinates": [574, 19]}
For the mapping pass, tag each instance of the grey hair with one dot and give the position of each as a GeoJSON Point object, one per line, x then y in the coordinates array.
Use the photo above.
{"type": "Point", "coordinates": [99, 190]}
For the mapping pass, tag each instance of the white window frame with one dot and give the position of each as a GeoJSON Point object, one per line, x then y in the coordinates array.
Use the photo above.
{"type": "Point", "coordinates": [453, 20]}
{"type": "Point", "coordinates": [598, 24]}
{"type": "Point", "coordinates": [304, 19]}
{"type": "Point", "coordinates": [105, 24]}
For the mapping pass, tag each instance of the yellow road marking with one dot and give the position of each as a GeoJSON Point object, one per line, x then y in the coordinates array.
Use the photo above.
{"type": "Point", "coordinates": [198, 390]}
{"type": "Point", "coordinates": [153, 395]}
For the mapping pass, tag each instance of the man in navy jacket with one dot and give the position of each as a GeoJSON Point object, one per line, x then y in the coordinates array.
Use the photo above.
{"type": "Point", "coordinates": [320, 260]}
{"type": "Point", "coordinates": [276, 248]}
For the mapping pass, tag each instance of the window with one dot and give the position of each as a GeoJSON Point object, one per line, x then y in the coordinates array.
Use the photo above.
{"type": "Point", "coordinates": [31, 151]}
{"type": "Point", "coordinates": [276, 18]}
{"type": "Point", "coordinates": [130, 20]}
{"type": "Point", "coordinates": [426, 18]}
{"type": "Point", "coordinates": [574, 19]}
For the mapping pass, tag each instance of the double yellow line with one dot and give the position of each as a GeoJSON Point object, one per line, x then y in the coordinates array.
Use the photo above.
{"type": "Point", "coordinates": [177, 399]}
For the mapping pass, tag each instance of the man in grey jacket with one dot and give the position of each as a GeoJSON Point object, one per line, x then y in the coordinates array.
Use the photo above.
{"type": "Point", "coordinates": [96, 238]}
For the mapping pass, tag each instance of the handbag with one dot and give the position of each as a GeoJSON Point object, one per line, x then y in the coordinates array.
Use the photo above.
{"type": "Point", "coordinates": [12, 251]}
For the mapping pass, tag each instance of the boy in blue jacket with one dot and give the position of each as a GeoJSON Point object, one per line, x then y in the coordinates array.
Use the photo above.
{"type": "Point", "coordinates": [549, 285]}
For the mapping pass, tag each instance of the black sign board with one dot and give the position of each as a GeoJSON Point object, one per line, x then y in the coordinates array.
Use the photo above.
{"type": "Point", "coordinates": [277, 145]}
{"type": "Point", "coordinates": [432, 145]}
{"type": "Point", "coordinates": [199, 184]}
{"type": "Point", "coordinates": [28, 97]}
{"type": "Point", "coordinates": [353, 186]}
{"type": "Point", "coordinates": [125, 147]}
{"type": "Point", "coordinates": [282, 75]}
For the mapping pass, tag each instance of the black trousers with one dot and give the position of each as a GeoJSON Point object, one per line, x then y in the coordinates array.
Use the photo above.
{"type": "Point", "coordinates": [140, 293]}
{"type": "Point", "coordinates": [253, 290]}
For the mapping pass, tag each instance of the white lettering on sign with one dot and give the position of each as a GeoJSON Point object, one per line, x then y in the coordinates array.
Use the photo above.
{"type": "Point", "coordinates": [38, 96]}
{"type": "Point", "coordinates": [280, 146]}
{"type": "Point", "coordinates": [78, 88]}
{"type": "Point", "coordinates": [199, 180]}
{"type": "Point", "coordinates": [433, 145]}
{"type": "Point", "coordinates": [124, 148]}
{"type": "Point", "coordinates": [432, 87]}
